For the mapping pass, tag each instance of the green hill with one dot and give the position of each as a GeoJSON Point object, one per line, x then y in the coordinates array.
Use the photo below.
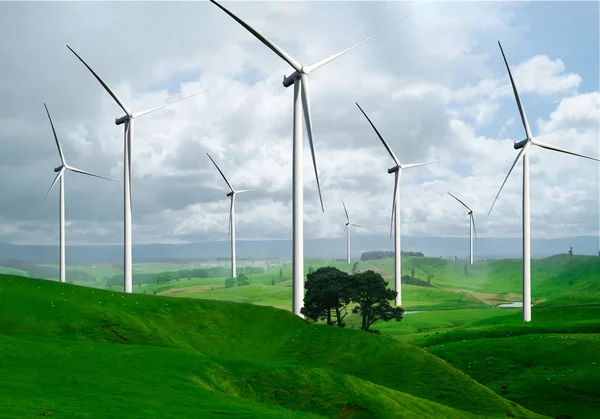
{"type": "Point", "coordinates": [70, 351]}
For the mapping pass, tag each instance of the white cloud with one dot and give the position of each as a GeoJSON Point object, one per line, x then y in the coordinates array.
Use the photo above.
{"type": "Point", "coordinates": [433, 87]}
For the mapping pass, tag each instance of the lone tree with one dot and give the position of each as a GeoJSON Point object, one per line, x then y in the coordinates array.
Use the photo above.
{"type": "Point", "coordinates": [229, 282]}
{"type": "Point", "coordinates": [355, 268]}
{"type": "Point", "coordinates": [571, 251]}
{"type": "Point", "coordinates": [242, 280]}
{"type": "Point", "coordinates": [370, 292]}
{"type": "Point", "coordinates": [327, 295]}
{"type": "Point", "coordinates": [280, 273]}
{"type": "Point", "coordinates": [412, 272]}
{"type": "Point", "coordinates": [429, 278]}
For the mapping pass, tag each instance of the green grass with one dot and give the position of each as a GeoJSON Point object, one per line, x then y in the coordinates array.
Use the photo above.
{"type": "Point", "coordinates": [80, 352]}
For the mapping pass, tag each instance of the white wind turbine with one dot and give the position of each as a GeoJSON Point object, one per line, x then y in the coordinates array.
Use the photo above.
{"type": "Point", "coordinates": [231, 215]}
{"type": "Point", "coordinates": [299, 78]}
{"type": "Point", "coordinates": [395, 222]}
{"type": "Point", "coordinates": [471, 226]}
{"type": "Point", "coordinates": [128, 121]}
{"type": "Point", "coordinates": [347, 231]}
{"type": "Point", "coordinates": [61, 206]}
{"type": "Point", "coordinates": [524, 146]}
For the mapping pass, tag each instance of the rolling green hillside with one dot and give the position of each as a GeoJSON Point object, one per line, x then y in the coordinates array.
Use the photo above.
{"type": "Point", "coordinates": [72, 351]}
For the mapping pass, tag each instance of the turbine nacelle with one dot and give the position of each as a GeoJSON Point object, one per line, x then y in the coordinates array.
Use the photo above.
{"type": "Point", "coordinates": [122, 120]}
{"type": "Point", "coordinates": [394, 169]}
{"type": "Point", "coordinates": [521, 144]}
{"type": "Point", "coordinates": [58, 169]}
{"type": "Point", "coordinates": [230, 193]}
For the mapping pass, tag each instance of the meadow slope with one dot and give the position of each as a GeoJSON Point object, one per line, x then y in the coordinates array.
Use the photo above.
{"type": "Point", "coordinates": [151, 355]}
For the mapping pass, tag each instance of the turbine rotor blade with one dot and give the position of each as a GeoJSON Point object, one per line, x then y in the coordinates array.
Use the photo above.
{"type": "Point", "coordinates": [270, 44]}
{"type": "Point", "coordinates": [356, 225]}
{"type": "Point", "coordinates": [58, 175]}
{"type": "Point", "coordinates": [321, 63]}
{"type": "Point", "coordinates": [129, 166]}
{"type": "Point", "coordinates": [308, 121]}
{"type": "Point", "coordinates": [465, 205]}
{"type": "Point", "coordinates": [108, 89]}
{"type": "Point", "coordinates": [408, 166]}
{"type": "Point", "coordinates": [473, 222]}
{"type": "Point", "coordinates": [517, 98]}
{"type": "Point", "coordinates": [147, 111]}
{"type": "Point", "coordinates": [246, 190]}
{"type": "Point", "coordinates": [394, 204]}
{"type": "Point", "coordinates": [521, 154]}
{"type": "Point", "coordinates": [62, 156]}
{"type": "Point", "coordinates": [346, 211]}
{"type": "Point", "coordinates": [230, 207]}
{"type": "Point", "coordinates": [228, 184]}
{"type": "Point", "coordinates": [345, 228]}
{"type": "Point", "coordinates": [560, 150]}
{"type": "Point", "coordinates": [387, 147]}
{"type": "Point", "coordinates": [74, 169]}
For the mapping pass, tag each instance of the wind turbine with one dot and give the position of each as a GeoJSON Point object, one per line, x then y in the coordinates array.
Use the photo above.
{"type": "Point", "coordinates": [127, 120]}
{"type": "Point", "coordinates": [524, 146]}
{"type": "Point", "coordinates": [61, 206]}
{"type": "Point", "coordinates": [231, 215]}
{"type": "Point", "coordinates": [299, 78]}
{"type": "Point", "coordinates": [397, 170]}
{"type": "Point", "coordinates": [471, 226]}
{"type": "Point", "coordinates": [347, 231]}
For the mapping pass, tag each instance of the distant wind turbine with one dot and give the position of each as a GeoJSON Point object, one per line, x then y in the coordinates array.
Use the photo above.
{"type": "Point", "coordinates": [61, 206]}
{"type": "Point", "coordinates": [231, 216]}
{"type": "Point", "coordinates": [524, 146]}
{"type": "Point", "coordinates": [397, 170]}
{"type": "Point", "coordinates": [127, 120]}
{"type": "Point", "coordinates": [471, 226]}
{"type": "Point", "coordinates": [347, 231]}
{"type": "Point", "coordinates": [299, 78]}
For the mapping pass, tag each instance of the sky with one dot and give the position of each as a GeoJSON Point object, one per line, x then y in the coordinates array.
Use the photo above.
{"type": "Point", "coordinates": [434, 84]}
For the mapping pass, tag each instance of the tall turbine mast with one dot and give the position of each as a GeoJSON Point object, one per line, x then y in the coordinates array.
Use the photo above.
{"type": "Point", "coordinates": [231, 194]}
{"type": "Point", "coordinates": [471, 227]}
{"type": "Point", "coordinates": [299, 79]}
{"type": "Point", "coordinates": [128, 123]}
{"type": "Point", "coordinates": [61, 201]}
{"type": "Point", "coordinates": [524, 146]}
{"type": "Point", "coordinates": [395, 221]}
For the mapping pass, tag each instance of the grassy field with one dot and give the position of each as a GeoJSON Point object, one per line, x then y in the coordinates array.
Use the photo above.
{"type": "Point", "coordinates": [72, 351]}
{"type": "Point", "coordinates": [229, 357]}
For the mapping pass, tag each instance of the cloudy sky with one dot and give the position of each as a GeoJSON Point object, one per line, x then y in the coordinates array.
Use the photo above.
{"type": "Point", "coordinates": [434, 84]}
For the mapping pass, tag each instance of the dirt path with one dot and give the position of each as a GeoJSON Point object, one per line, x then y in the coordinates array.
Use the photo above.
{"type": "Point", "coordinates": [196, 288]}
{"type": "Point", "coordinates": [488, 298]}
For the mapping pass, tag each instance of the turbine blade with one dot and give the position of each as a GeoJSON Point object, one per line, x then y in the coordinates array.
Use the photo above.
{"type": "Point", "coordinates": [230, 206]}
{"type": "Point", "coordinates": [408, 166]}
{"type": "Point", "coordinates": [356, 225]}
{"type": "Point", "coordinates": [247, 190]}
{"type": "Point", "coordinates": [321, 63]}
{"type": "Point", "coordinates": [308, 122]}
{"type": "Point", "coordinates": [130, 173]}
{"type": "Point", "coordinates": [387, 147]}
{"type": "Point", "coordinates": [517, 98]}
{"type": "Point", "coordinates": [473, 222]}
{"type": "Point", "coordinates": [521, 153]}
{"type": "Point", "coordinates": [554, 148]}
{"type": "Point", "coordinates": [58, 175]}
{"type": "Point", "coordinates": [394, 203]}
{"type": "Point", "coordinates": [297, 66]}
{"type": "Point", "coordinates": [74, 169]}
{"type": "Point", "coordinates": [62, 156]}
{"type": "Point", "coordinates": [108, 89]}
{"type": "Point", "coordinates": [465, 205]}
{"type": "Point", "coordinates": [346, 211]}
{"type": "Point", "coordinates": [147, 111]}
{"type": "Point", "coordinates": [228, 184]}
{"type": "Point", "coordinates": [343, 232]}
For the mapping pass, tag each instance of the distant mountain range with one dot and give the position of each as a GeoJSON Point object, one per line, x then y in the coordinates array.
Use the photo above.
{"type": "Point", "coordinates": [489, 248]}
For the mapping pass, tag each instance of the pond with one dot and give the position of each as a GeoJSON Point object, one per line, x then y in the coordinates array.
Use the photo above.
{"type": "Point", "coordinates": [516, 304]}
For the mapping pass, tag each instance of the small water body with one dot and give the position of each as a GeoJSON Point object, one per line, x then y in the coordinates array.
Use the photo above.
{"type": "Point", "coordinates": [412, 312]}
{"type": "Point", "coordinates": [516, 304]}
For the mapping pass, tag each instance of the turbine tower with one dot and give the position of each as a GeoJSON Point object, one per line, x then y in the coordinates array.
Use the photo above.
{"type": "Point", "coordinates": [471, 226]}
{"type": "Point", "coordinates": [231, 215]}
{"type": "Point", "coordinates": [128, 121]}
{"type": "Point", "coordinates": [61, 206]}
{"type": "Point", "coordinates": [347, 231]}
{"type": "Point", "coordinates": [299, 79]}
{"type": "Point", "coordinates": [524, 146]}
{"type": "Point", "coordinates": [395, 222]}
